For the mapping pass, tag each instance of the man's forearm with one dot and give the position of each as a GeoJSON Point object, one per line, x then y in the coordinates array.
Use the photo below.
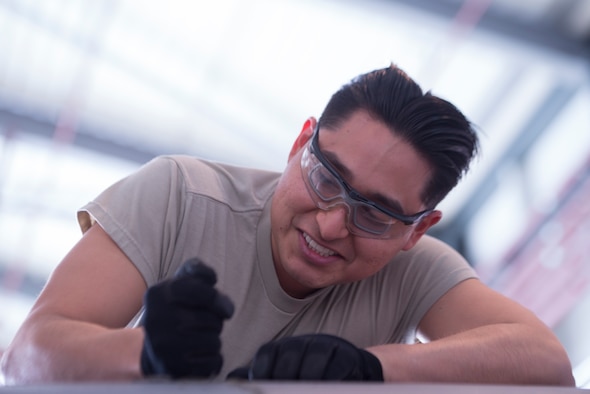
{"type": "Point", "coordinates": [63, 350]}
{"type": "Point", "coordinates": [499, 354]}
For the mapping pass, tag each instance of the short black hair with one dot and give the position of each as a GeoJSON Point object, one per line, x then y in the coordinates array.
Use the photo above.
{"type": "Point", "coordinates": [438, 131]}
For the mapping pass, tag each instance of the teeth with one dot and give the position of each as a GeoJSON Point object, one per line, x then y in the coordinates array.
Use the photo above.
{"type": "Point", "coordinates": [317, 248]}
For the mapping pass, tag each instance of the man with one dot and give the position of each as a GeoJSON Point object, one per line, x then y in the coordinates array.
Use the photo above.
{"type": "Point", "coordinates": [321, 272]}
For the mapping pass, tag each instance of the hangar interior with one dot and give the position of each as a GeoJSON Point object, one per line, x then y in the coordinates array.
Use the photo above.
{"type": "Point", "coordinates": [89, 91]}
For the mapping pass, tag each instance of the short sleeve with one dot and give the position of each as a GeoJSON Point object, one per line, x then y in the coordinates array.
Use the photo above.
{"type": "Point", "coordinates": [142, 214]}
{"type": "Point", "coordinates": [429, 271]}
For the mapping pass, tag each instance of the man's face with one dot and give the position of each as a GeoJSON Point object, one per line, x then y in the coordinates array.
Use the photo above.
{"type": "Point", "coordinates": [313, 248]}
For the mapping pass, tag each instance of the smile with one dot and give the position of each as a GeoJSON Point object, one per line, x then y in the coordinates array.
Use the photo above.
{"type": "Point", "coordinates": [313, 245]}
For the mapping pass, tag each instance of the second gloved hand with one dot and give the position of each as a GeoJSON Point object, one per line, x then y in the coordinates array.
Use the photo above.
{"type": "Point", "coordinates": [182, 323]}
{"type": "Point", "coordinates": [314, 357]}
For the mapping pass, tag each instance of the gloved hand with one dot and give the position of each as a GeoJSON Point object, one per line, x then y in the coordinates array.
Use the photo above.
{"type": "Point", "coordinates": [313, 357]}
{"type": "Point", "coordinates": [182, 322]}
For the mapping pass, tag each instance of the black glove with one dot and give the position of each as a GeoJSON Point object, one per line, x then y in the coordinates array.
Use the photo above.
{"type": "Point", "coordinates": [312, 357]}
{"type": "Point", "coordinates": [182, 322]}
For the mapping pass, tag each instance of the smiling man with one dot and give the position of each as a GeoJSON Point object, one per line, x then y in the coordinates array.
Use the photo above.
{"type": "Point", "coordinates": [354, 233]}
{"type": "Point", "coordinates": [194, 269]}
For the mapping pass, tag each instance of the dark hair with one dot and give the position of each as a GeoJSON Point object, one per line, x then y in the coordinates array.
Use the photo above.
{"type": "Point", "coordinates": [438, 131]}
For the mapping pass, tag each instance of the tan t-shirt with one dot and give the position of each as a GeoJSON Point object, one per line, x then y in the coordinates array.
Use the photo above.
{"type": "Point", "coordinates": [178, 207]}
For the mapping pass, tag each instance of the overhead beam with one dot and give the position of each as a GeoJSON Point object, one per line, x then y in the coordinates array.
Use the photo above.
{"type": "Point", "coordinates": [541, 35]}
{"type": "Point", "coordinates": [12, 124]}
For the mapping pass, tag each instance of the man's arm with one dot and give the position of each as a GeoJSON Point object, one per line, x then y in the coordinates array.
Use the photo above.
{"type": "Point", "coordinates": [477, 335]}
{"type": "Point", "coordinates": [76, 328]}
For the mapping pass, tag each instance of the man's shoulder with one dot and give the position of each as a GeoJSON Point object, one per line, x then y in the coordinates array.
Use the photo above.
{"type": "Point", "coordinates": [430, 253]}
{"type": "Point", "coordinates": [193, 165]}
{"type": "Point", "coordinates": [222, 181]}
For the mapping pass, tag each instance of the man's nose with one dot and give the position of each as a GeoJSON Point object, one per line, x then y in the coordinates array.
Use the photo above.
{"type": "Point", "coordinates": [332, 222]}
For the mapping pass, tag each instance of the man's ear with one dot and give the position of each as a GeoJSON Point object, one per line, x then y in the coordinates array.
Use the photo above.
{"type": "Point", "coordinates": [430, 220]}
{"type": "Point", "coordinates": [304, 136]}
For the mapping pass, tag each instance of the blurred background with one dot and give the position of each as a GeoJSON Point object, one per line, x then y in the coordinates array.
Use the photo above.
{"type": "Point", "coordinates": [89, 91]}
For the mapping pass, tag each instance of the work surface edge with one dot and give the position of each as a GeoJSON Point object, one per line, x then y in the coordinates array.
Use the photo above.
{"type": "Point", "coordinates": [197, 387]}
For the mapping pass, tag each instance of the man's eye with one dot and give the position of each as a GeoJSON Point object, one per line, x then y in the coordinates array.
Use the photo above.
{"type": "Point", "coordinates": [374, 215]}
{"type": "Point", "coordinates": [327, 183]}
